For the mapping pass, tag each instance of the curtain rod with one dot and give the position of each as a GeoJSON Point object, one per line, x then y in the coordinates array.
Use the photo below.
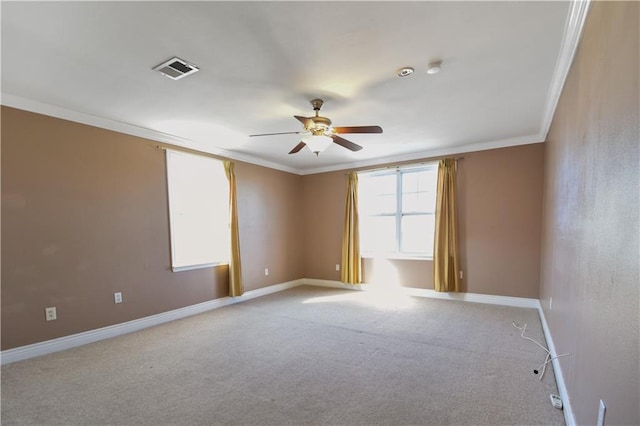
{"type": "Point", "coordinates": [190, 151]}
{"type": "Point", "coordinates": [400, 166]}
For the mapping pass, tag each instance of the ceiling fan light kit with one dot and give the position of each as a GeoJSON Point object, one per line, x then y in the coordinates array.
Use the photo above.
{"type": "Point", "coordinates": [319, 133]}
{"type": "Point", "coordinates": [317, 143]}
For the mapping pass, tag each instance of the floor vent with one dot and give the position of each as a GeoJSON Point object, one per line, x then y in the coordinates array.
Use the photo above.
{"type": "Point", "coordinates": [176, 68]}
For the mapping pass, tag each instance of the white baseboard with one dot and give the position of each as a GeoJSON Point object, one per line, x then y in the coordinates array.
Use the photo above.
{"type": "Point", "coordinates": [520, 302]}
{"type": "Point", "coordinates": [91, 336]}
{"type": "Point", "coordinates": [75, 340]}
{"type": "Point", "coordinates": [332, 284]}
{"type": "Point", "coordinates": [557, 371]}
{"type": "Point", "coordinates": [252, 294]}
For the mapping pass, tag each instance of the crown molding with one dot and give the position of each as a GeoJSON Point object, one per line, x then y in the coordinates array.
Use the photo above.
{"type": "Point", "coordinates": [422, 155]}
{"type": "Point", "coordinates": [31, 105]}
{"type": "Point", "coordinates": [571, 37]}
{"type": "Point", "coordinates": [570, 41]}
{"type": "Point", "coordinates": [568, 47]}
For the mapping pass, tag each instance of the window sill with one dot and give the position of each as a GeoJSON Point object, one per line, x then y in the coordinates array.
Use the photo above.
{"type": "Point", "coordinates": [394, 256]}
{"type": "Point", "coordinates": [191, 267]}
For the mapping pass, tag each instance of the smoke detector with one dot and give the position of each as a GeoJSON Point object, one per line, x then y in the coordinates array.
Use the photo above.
{"type": "Point", "coordinates": [176, 68]}
{"type": "Point", "coordinates": [434, 67]}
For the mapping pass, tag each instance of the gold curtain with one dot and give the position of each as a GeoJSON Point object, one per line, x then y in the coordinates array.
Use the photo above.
{"type": "Point", "coordinates": [445, 244]}
{"type": "Point", "coordinates": [235, 270]}
{"type": "Point", "coordinates": [351, 273]}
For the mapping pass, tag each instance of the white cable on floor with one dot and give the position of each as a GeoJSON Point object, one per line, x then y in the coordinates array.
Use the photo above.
{"type": "Point", "coordinates": [547, 359]}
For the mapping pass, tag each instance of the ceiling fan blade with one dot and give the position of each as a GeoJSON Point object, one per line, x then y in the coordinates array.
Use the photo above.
{"type": "Point", "coordinates": [358, 129]}
{"type": "Point", "coordinates": [273, 134]}
{"type": "Point", "coordinates": [345, 143]}
{"type": "Point", "coordinates": [297, 148]}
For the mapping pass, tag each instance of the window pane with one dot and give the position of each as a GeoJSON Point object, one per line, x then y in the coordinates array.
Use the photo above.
{"type": "Point", "coordinates": [384, 204]}
{"type": "Point", "coordinates": [198, 210]}
{"type": "Point", "coordinates": [417, 234]}
{"type": "Point", "coordinates": [383, 212]}
{"type": "Point", "coordinates": [419, 181]}
{"type": "Point", "coordinates": [419, 191]}
{"type": "Point", "coordinates": [378, 234]}
{"type": "Point", "coordinates": [384, 184]}
{"type": "Point", "coordinates": [377, 194]}
{"type": "Point", "coordinates": [410, 181]}
{"type": "Point", "coordinates": [417, 202]}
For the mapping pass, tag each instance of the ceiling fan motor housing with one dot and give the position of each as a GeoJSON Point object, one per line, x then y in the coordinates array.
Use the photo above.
{"type": "Point", "coordinates": [320, 124]}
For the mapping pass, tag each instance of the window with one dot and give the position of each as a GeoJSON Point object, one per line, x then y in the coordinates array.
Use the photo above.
{"type": "Point", "coordinates": [397, 211]}
{"type": "Point", "coordinates": [198, 211]}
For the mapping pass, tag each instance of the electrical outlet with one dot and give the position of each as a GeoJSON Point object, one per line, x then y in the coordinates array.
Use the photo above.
{"type": "Point", "coordinates": [266, 272]}
{"type": "Point", "coordinates": [50, 314]}
{"type": "Point", "coordinates": [337, 267]}
{"type": "Point", "coordinates": [550, 303]}
{"type": "Point", "coordinates": [461, 275]}
{"type": "Point", "coordinates": [601, 412]}
{"type": "Point", "coordinates": [117, 297]}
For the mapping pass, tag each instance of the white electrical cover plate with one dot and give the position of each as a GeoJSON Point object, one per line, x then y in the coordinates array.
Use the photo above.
{"type": "Point", "coordinates": [556, 401]}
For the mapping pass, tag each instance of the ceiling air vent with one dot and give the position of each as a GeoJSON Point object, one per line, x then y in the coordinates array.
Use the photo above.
{"type": "Point", "coordinates": [176, 68]}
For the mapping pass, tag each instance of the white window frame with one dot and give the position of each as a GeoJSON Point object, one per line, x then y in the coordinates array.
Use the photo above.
{"type": "Point", "coordinates": [400, 172]}
{"type": "Point", "coordinates": [198, 193]}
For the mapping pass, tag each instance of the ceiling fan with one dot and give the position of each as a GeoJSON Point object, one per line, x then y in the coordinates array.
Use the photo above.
{"type": "Point", "coordinates": [319, 133]}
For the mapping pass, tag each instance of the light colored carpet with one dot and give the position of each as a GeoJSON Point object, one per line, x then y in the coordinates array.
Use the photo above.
{"type": "Point", "coordinates": [303, 356]}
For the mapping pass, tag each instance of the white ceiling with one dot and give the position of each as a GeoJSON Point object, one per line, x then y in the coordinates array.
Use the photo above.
{"type": "Point", "coordinates": [262, 62]}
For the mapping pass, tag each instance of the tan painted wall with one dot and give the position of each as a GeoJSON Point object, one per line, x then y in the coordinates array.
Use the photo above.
{"type": "Point", "coordinates": [322, 206]}
{"type": "Point", "coordinates": [590, 262]}
{"type": "Point", "coordinates": [499, 194]}
{"type": "Point", "coordinates": [270, 225]}
{"type": "Point", "coordinates": [84, 214]}
{"type": "Point", "coordinates": [500, 218]}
